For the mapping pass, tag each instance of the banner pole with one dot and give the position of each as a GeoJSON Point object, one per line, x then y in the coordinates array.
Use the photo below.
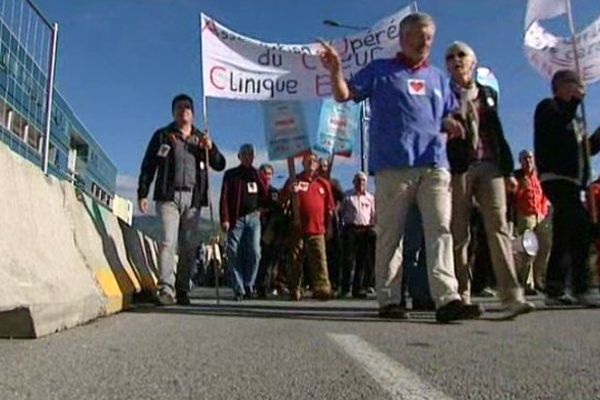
{"type": "Point", "coordinates": [586, 144]}
{"type": "Point", "coordinates": [330, 165]}
{"type": "Point", "coordinates": [214, 239]}
{"type": "Point", "coordinates": [362, 135]}
{"type": "Point", "coordinates": [295, 206]}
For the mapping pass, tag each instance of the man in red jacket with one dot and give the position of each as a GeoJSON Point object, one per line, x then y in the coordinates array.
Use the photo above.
{"type": "Point", "coordinates": [242, 195]}
{"type": "Point", "coordinates": [315, 207]}
{"type": "Point", "coordinates": [531, 212]}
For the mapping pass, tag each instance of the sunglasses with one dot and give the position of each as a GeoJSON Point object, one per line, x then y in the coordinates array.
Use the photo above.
{"type": "Point", "coordinates": [460, 54]}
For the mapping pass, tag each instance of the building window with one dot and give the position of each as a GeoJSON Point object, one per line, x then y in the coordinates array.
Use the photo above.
{"type": "Point", "coordinates": [8, 118]}
{"type": "Point", "coordinates": [34, 138]}
{"type": "Point", "coordinates": [17, 125]}
{"type": "Point", "coordinates": [25, 133]}
{"type": "Point", "coordinates": [3, 112]}
{"type": "Point", "coordinates": [4, 58]}
{"type": "Point", "coordinates": [53, 155]}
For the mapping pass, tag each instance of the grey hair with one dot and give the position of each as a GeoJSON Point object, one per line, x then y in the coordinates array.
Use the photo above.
{"type": "Point", "coordinates": [265, 167]}
{"type": "Point", "coordinates": [524, 153]}
{"type": "Point", "coordinates": [359, 175]}
{"type": "Point", "coordinates": [415, 19]}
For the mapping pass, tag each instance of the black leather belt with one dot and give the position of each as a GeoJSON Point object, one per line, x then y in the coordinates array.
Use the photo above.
{"type": "Point", "coordinates": [183, 189]}
{"type": "Point", "coordinates": [358, 227]}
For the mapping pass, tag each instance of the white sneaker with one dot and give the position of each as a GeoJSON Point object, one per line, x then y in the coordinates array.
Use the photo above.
{"type": "Point", "coordinates": [587, 300]}
{"type": "Point", "coordinates": [517, 308]}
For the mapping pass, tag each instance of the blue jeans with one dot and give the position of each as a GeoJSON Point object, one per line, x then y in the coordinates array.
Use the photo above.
{"type": "Point", "coordinates": [243, 252]}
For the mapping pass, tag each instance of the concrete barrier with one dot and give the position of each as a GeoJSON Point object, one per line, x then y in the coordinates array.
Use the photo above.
{"type": "Point", "coordinates": [66, 260]}
{"type": "Point", "coordinates": [46, 285]}
{"type": "Point", "coordinates": [141, 252]}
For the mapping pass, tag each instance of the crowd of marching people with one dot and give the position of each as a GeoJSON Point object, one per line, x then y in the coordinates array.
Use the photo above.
{"type": "Point", "coordinates": [450, 217]}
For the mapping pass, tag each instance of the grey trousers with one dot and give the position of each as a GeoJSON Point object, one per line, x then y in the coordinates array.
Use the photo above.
{"type": "Point", "coordinates": [396, 191]}
{"type": "Point", "coordinates": [180, 233]}
{"type": "Point", "coordinates": [484, 183]}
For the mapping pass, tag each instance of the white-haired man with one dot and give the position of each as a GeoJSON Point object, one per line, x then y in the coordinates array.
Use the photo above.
{"type": "Point", "coordinates": [411, 116]}
{"type": "Point", "coordinates": [358, 219]}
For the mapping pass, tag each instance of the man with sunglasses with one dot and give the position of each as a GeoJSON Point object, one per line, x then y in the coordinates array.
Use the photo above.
{"type": "Point", "coordinates": [481, 162]}
{"type": "Point", "coordinates": [411, 115]}
{"type": "Point", "coordinates": [176, 155]}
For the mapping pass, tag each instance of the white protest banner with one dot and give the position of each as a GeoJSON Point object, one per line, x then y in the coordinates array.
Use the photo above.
{"type": "Point", "coordinates": [285, 129]}
{"type": "Point", "coordinates": [548, 53]}
{"type": "Point", "coordinates": [239, 67]}
{"type": "Point", "coordinates": [338, 126]}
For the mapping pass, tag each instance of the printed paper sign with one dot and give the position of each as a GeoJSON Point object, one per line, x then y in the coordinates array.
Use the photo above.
{"type": "Point", "coordinates": [285, 129]}
{"type": "Point", "coordinates": [339, 124]}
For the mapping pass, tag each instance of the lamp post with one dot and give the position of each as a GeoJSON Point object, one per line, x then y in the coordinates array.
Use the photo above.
{"type": "Point", "coordinates": [336, 24]}
{"type": "Point", "coordinates": [364, 107]}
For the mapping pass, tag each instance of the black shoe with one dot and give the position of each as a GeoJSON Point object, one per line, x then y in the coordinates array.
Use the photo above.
{"type": "Point", "coordinates": [562, 300]}
{"type": "Point", "coordinates": [251, 296]}
{"type": "Point", "coordinates": [393, 311]}
{"type": "Point", "coordinates": [457, 310]}
{"type": "Point", "coordinates": [183, 299]}
{"type": "Point", "coordinates": [529, 291]}
{"type": "Point", "coordinates": [423, 305]}
{"type": "Point", "coordinates": [342, 294]}
{"type": "Point", "coordinates": [361, 294]}
{"type": "Point", "coordinates": [164, 299]}
{"type": "Point", "coordinates": [238, 297]}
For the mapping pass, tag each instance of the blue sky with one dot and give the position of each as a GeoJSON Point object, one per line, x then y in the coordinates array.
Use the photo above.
{"type": "Point", "coordinates": [121, 62]}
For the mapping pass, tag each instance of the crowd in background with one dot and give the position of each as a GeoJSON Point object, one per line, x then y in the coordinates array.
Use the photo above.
{"type": "Point", "coordinates": [450, 217]}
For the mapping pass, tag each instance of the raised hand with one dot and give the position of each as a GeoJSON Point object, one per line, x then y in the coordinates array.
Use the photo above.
{"type": "Point", "coordinates": [329, 57]}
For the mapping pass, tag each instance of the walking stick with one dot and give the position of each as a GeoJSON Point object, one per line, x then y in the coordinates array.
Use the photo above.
{"type": "Point", "coordinates": [214, 234]}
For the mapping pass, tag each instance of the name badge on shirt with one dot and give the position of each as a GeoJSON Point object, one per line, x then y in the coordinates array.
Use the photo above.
{"type": "Point", "coordinates": [416, 87]}
{"type": "Point", "coordinates": [163, 150]}
{"type": "Point", "coordinates": [201, 164]}
{"type": "Point", "coordinates": [322, 191]}
{"type": "Point", "coordinates": [252, 187]}
{"type": "Point", "coordinates": [301, 187]}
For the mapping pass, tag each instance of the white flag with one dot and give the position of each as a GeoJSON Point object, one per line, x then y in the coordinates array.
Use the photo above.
{"type": "Point", "coordinates": [548, 53]}
{"type": "Point", "coordinates": [543, 9]}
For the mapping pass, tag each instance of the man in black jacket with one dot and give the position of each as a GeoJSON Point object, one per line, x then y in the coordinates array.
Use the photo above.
{"type": "Point", "coordinates": [563, 165]}
{"type": "Point", "coordinates": [178, 152]}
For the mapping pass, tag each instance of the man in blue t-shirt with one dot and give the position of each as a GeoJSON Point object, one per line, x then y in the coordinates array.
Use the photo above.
{"type": "Point", "coordinates": [411, 106]}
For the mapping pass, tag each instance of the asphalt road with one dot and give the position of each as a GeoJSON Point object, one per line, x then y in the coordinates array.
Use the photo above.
{"type": "Point", "coordinates": [308, 350]}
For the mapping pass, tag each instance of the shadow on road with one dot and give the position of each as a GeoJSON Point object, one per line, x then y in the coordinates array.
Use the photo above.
{"type": "Point", "coordinates": [281, 311]}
